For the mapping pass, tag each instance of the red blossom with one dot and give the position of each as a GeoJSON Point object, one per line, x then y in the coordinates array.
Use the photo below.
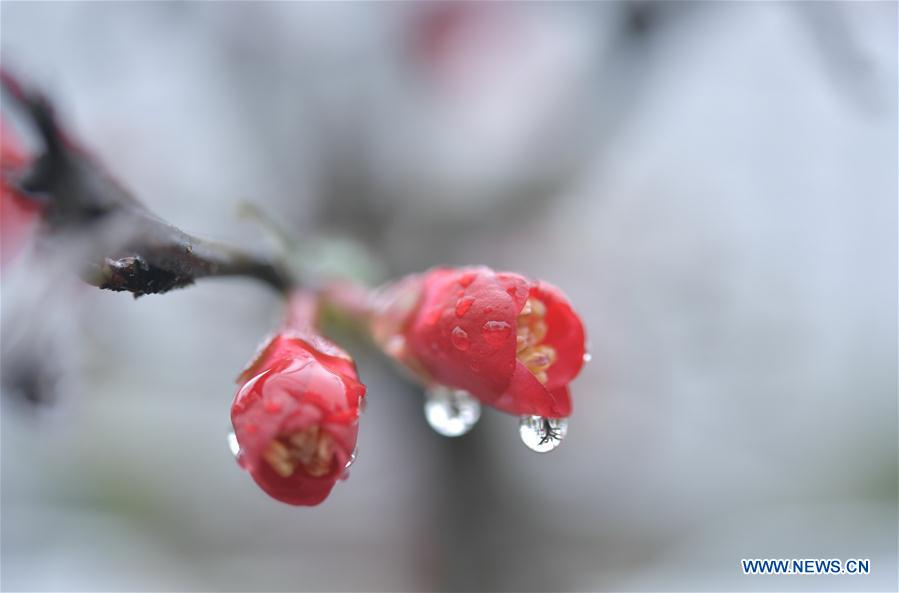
{"type": "Point", "coordinates": [18, 214]}
{"type": "Point", "coordinates": [513, 343]}
{"type": "Point", "coordinates": [296, 415]}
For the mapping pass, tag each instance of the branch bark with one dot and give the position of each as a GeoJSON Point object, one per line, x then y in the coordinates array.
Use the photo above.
{"type": "Point", "coordinates": [131, 249]}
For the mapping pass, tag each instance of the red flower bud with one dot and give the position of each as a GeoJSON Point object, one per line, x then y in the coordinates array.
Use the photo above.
{"type": "Point", "coordinates": [513, 343]}
{"type": "Point", "coordinates": [296, 415]}
{"type": "Point", "coordinates": [18, 214]}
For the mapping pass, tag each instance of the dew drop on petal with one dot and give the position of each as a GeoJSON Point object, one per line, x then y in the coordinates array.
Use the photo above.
{"type": "Point", "coordinates": [542, 434]}
{"type": "Point", "coordinates": [459, 338]}
{"type": "Point", "coordinates": [463, 305]}
{"type": "Point", "coordinates": [233, 444]}
{"type": "Point", "coordinates": [349, 462]}
{"type": "Point", "coordinates": [496, 333]}
{"type": "Point", "coordinates": [272, 406]}
{"type": "Point", "coordinates": [467, 279]}
{"type": "Point", "coordinates": [451, 412]}
{"type": "Point", "coordinates": [433, 316]}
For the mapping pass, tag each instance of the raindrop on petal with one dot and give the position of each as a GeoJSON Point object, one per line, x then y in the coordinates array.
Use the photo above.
{"type": "Point", "coordinates": [352, 458]}
{"type": "Point", "coordinates": [467, 279]}
{"type": "Point", "coordinates": [451, 412]}
{"type": "Point", "coordinates": [542, 434]}
{"type": "Point", "coordinates": [497, 332]}
{"type": "Point", "coordinates": [433, 316]}
{"type": "Point", "coordinates": [233, 444]}
{"type": "Point", "coordinates": [463, 306]}
{"type": "Point", "coordinates": [345, 475]}
{"type": "Point", "coordinates": [459, 338]}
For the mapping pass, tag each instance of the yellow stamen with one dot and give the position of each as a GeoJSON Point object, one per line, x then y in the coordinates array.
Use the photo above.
{"type": "Point", "coordinates": [311, 448]}
{"type": "Point", "coordinates": [538, 358]}
{"type": "Point", "coordinates": [277, 456]}
{"type": "Point", "coordinates": [531, 331]}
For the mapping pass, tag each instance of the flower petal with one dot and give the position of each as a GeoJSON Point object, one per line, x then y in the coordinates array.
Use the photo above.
{"type": "Point", "coordinates": [464, 332]}
{"type": "Point", "coordinates": [296, 388]}
{"type": "Point", "coordinates": [528, 396]}
{"type": "Point", "coordinates": [297, 489]}
{"type": "Point", "coordinates": [565, 333]}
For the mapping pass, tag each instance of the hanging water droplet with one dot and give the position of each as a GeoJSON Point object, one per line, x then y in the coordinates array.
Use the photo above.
{"type": "Point", "coordinates": [542, 434]}
{"type": "Point", "coordinates": [451, 412]}
{"type": "Point", "coordinates": [233, 444]}
{"type": "Point", "coordinates": [587, 357]}
{"type": "Point", "coordinates": [459, 338]}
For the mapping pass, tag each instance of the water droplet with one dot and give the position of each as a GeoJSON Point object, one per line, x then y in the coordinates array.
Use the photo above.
{"type": "Point", "coordinates": [463, 306]}
{"type": "Point", "coordinates": [345, 475]}
{"type": "Point", "coordinates": [451, 412]}
{"type": "Point", "coordinates": [459, 337]}
{"type": "Point", "coordinates": [233, 444]}
{"type": "Point", "coordinates": [433, 316]}
{"type": "Point", "coordinates": [271, 406]}
{"type": "Point", "coordinates": [542, 434]}
{"type": "Point", "coordinates": [488, 310]}
{"type": "Point", "coordinates": [587, 357]}
{"type": "Point", "coordinates": [467, 279]}
{"type": "Point", "coordinates": [496, 332]}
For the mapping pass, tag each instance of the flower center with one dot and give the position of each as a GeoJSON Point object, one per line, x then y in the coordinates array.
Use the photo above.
{"type": "Point", "coordinates": [311, 448]}
{"type": "Point", "coordinates": [531, 330]}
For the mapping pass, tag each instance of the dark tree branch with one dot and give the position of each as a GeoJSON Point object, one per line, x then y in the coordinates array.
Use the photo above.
{"type": "Point", "coordinates": [131, 249]}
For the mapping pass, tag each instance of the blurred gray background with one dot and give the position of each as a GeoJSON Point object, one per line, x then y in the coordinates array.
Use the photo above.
{"type": "Point", "coordinates": [713, 185]}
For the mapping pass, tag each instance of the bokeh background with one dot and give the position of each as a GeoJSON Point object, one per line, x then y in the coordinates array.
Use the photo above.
{"type": "Point", "coordinates": [713, 185]}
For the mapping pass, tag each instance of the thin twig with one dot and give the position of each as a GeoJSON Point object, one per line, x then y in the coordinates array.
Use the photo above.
{"type": "Point", "coordinates": [132, 249]}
